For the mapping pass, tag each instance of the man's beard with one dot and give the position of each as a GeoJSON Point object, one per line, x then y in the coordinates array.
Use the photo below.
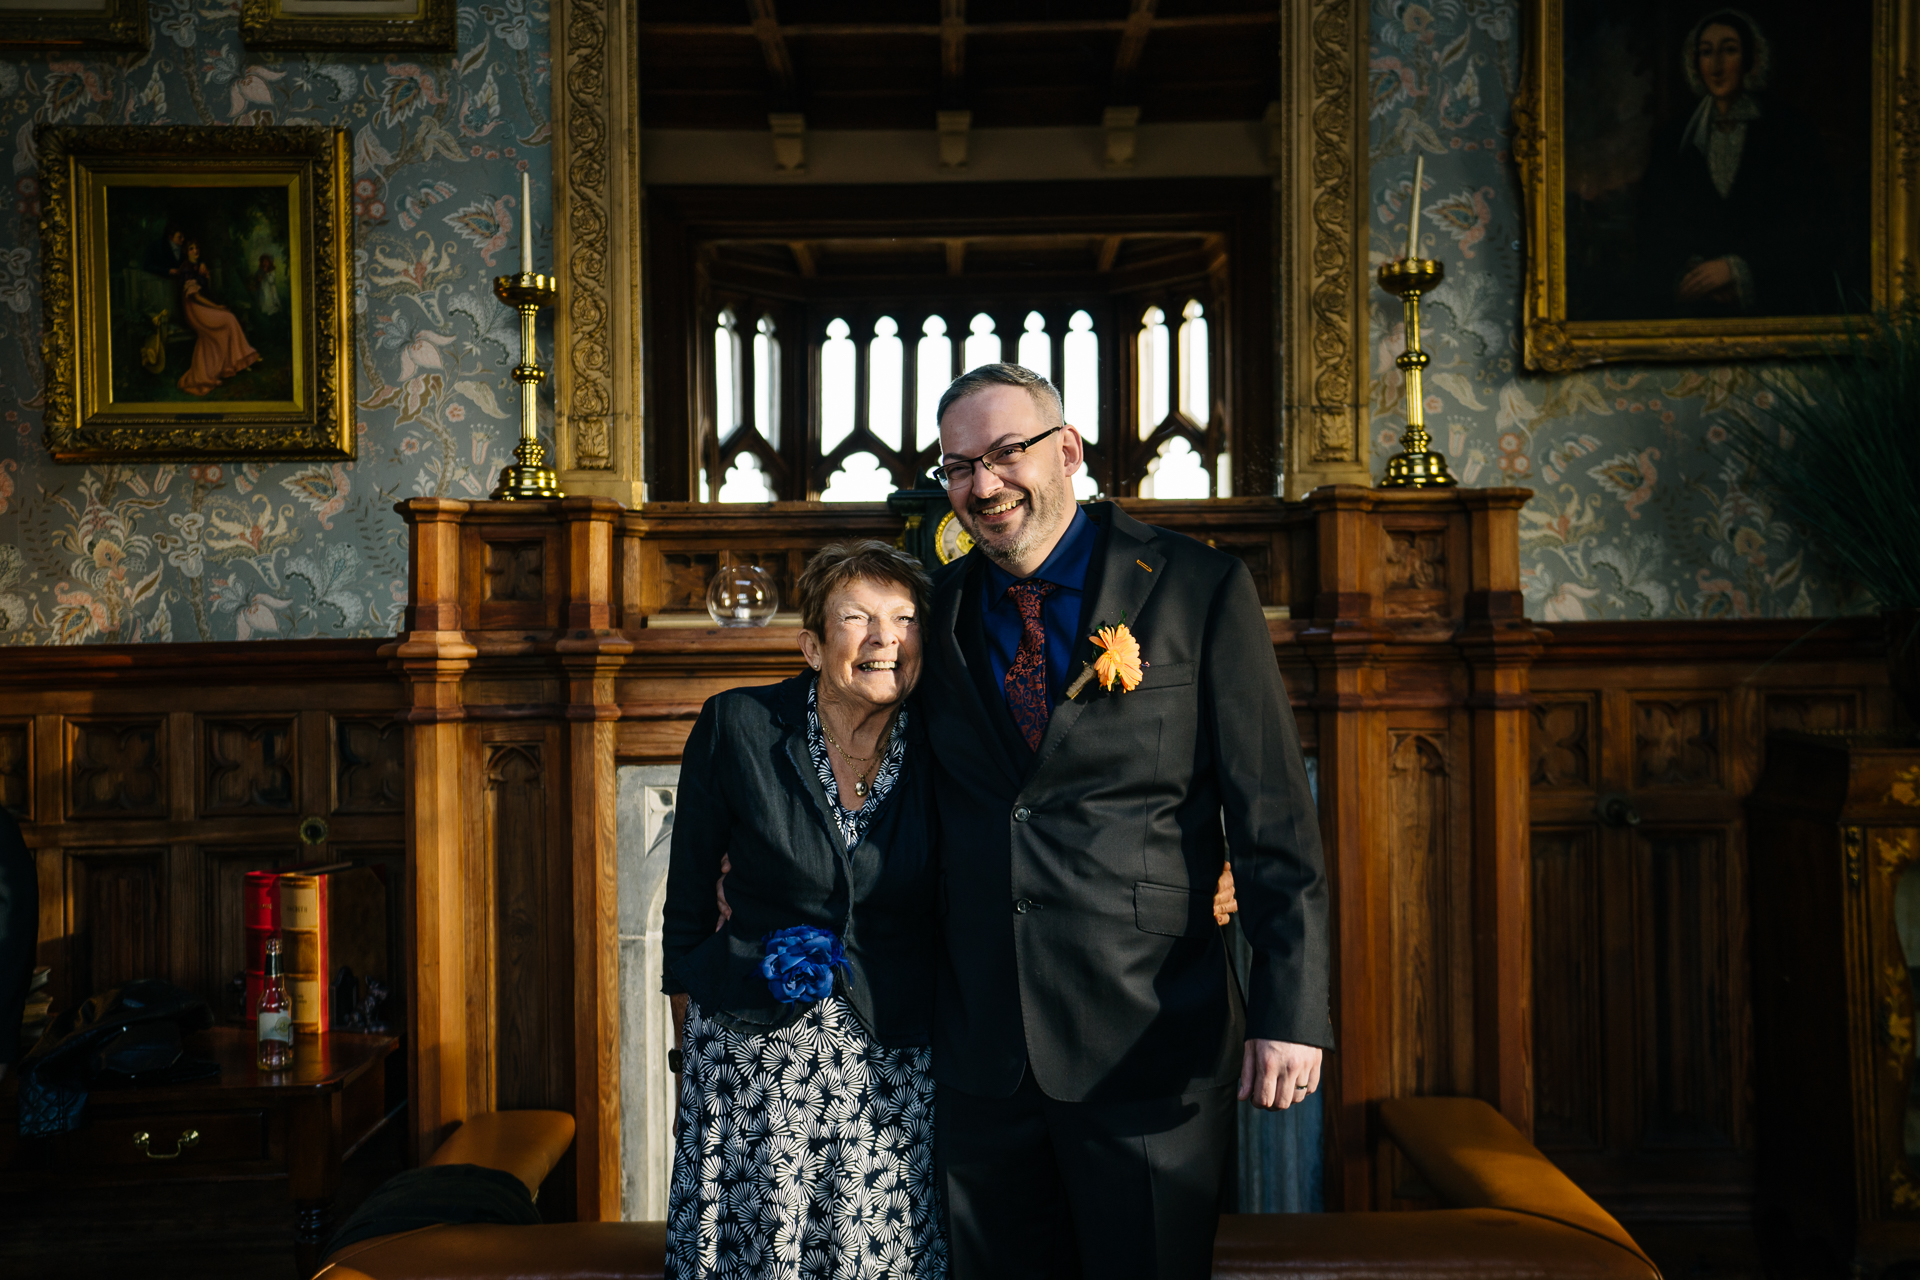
{"type": "Point", "coordinates": [1045, 504]}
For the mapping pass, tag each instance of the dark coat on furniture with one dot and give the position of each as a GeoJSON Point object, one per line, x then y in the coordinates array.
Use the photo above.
{"type": "Point", "coordinates": [1077, 882]}
{"type": "Point", "coordinates": [749, 792]}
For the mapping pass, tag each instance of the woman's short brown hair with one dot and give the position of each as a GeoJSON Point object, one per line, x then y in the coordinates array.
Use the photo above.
{"type": "Point", "coordinates": [838, 563]}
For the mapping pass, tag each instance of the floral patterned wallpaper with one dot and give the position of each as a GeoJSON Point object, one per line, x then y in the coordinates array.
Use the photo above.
{"type": "Point", "coordinates": [159, 552]}
{"type": "Point", "coordinates": [1640, 511]}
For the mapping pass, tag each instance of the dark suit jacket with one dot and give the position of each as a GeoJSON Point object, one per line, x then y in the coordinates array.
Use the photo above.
{"type": "Point", "coordinates": [749, 792]}
{"type": "Point", "coordinates": [1077, 882]}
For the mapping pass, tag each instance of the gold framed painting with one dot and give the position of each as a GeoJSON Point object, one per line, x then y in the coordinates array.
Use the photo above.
{"type": "Point", "coordinates": [349, 25]}
{"type": "Point", "coordinates": [198, 290]}
{"type": "Point", "coordinates": [75, 24]}
{"type": "Point", "coordinates": [1707, 182]}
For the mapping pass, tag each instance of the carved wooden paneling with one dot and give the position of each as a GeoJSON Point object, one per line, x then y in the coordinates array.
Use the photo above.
{"type": "Point", "coordinates": [529, 965]}
{"type": "Point", "coordinates": [116, 769]}
{"type": "Point", "coordinates": [1676, 743]}
{"type": "Point", "coordinates": [16, 767]}
{"type": "Point", "coordinates": [1562, 743]}
{"type": "Point", "coordinates": [116, 918]}
{"type": "Point", "coordinates": [1692, 954]}
{"type": "Point", "coordinates": [369, 765]}
{"type": "Point", "coordinates": [223, 949]}
{"type": "Point", "coordinates": [516, 570]}
{"type": "Point", "coordinates": [687, 573]}
{"type": "Point", "coordinates": [1825, 712]}
{"type": "Point", "coordinates": [1416, 564]}
{"type": "Point", "coordinates": [511, 577]}
{"type": "Point", "coordinates": [1421, 922]}
{"type": "Point", "coordinates": [1568, 1017]}
{"type": "Point", "coordinates": [248, 766]}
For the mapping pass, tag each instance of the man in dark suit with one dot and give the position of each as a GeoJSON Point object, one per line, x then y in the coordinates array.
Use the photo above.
{"type": "Point", "coordinates": [1089, 1032]}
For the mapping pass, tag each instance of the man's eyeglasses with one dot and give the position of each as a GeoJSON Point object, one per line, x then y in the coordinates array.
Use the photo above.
{"type": "Point", "coordinates": [959, 472]}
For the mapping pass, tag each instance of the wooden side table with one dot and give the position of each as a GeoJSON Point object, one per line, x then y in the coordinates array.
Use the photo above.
{"type": "Point", "coordinates": [245, 1123]}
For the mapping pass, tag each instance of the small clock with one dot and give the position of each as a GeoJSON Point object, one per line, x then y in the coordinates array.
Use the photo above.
{"type": "Point", "coordinates": [950, 539]}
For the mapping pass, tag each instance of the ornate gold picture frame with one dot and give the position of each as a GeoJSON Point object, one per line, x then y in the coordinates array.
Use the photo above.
{"type": "Point", "coordinates": [349, 25]}
{"type": "Point", "coordinates": [1712, 182]}
{"type": "Point", "coordinates": [80, 24]}
{"type": "Point", "coordinates": [198, 292]}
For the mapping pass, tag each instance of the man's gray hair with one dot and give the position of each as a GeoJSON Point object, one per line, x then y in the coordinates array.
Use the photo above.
{"type": "Point", "coordinates": [1046, 396]}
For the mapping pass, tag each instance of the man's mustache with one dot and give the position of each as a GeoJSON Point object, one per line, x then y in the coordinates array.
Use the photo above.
{"type": "Point", "coordinates": [976, 506]}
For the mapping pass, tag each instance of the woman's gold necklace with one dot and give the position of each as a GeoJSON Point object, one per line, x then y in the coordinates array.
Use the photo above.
{"type": "Point", "coordinates": [860, 783]}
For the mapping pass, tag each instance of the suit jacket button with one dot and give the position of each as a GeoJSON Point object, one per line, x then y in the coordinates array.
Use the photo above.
{"type": "Point", "coordinates": [1024, 905]}
{"type": "Point", "coordinates": [1022, 814]}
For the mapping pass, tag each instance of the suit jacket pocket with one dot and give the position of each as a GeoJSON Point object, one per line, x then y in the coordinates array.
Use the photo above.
{"type": "Point", "coordinates": [1163, 908]}
{"type": "Point", "coordinates": [1165, 675]}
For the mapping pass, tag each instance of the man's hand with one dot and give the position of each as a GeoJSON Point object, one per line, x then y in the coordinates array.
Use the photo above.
{"type": "Point", "coordinates": [1278, 1073]}
{"type": "Point", "coordinates": [720, 893]}
{"type": "Point", "coordinates": [1224, 903]}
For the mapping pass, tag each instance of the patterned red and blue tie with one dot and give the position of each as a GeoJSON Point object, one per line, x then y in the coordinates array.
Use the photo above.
{"type": "Point", "coordinates": [1026, 682]}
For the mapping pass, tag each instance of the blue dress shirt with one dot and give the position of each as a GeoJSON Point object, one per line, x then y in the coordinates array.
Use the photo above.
{"type": "Point", "coordinates": [1067, 570]}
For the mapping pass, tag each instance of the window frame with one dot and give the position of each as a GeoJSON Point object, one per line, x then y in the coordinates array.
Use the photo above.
{"type": "Point", "coordinates": [684, 293]}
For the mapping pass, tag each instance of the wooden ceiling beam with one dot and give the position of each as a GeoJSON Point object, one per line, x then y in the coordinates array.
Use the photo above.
{"type": "Point", "coordinates": [956, 257]}
{"type": "Point", "coordinates": [1109, 250]}
{"type": "Point", "coordinates": [972, 30]}
{"type": "Point", "coordinates": [803, 257]}
{"type": "Point", "coordinates": [953, 50]}
{"type": "Point", "coordinates": [773, 46]}
{"type": "Point", "coordinates": [1133, 42]}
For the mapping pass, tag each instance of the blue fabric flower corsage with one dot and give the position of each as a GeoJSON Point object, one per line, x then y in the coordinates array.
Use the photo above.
{"type": "Point", "coordinates": [800, 961]}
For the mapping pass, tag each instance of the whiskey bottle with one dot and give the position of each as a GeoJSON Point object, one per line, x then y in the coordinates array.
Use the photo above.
{"type": "Point", "coordinates": [275, 1014]}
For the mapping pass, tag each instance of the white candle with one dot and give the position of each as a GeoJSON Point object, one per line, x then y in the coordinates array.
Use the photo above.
{"type": "Point", "coordinates": [526, 224]}
{"type": "Point", "coordinates": [1413, 218]}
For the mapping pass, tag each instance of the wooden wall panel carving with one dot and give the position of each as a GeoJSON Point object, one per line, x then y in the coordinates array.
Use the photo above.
{"type": "Point", "coordinates": [1419, 871]}
{"type": "Point", "coordinates": [526, 1017]}
{"type": "Point", "coordinates": [16, 768]}
{"type": "Point", "coordinates": [116, 915]}
{"type": "Point", "coordinates": [1568, 1017]}
{"type": "Point", "coordinates": [1677, 743]}
{"type": "Point", "coordinates": [117, 768]}
{"type": "Point", "coordinates": [1562, 743]}
{"type": "Point", "coordinates": [248, 766]}
{"type": "Point", "coordinates": [515, 570]}
{"type": "Point", "coordinates": [369, 766]}
{"type": "Point", "coordinates": [1691, 952]}
{"type": "Point", "coordinates": [164, 772]}
{"type": "Point", "coordinates": [1647, 738]}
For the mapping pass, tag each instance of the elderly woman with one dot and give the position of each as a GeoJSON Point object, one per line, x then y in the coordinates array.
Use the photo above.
{"type": "Point", "coordinates": [805, 1130]}
{"type": "Point", "coordinates": [1717, 227]}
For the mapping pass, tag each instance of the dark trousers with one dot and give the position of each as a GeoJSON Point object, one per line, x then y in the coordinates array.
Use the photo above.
{"type": "Point", "coordinates": [1044, 1190]}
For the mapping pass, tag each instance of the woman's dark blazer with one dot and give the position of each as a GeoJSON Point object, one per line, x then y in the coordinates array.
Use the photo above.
{"type": "Point", "coordinates": [748, 791]}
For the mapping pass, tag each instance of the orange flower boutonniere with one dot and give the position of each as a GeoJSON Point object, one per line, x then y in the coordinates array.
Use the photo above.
{"type": "Point", "coordinates": [1119, 662]}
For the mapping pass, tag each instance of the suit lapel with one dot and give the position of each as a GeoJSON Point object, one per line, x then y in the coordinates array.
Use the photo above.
{"type": "Point", "coordinates": [964, 687]}
{"type": "Point", "coordinates": [1128, 569]}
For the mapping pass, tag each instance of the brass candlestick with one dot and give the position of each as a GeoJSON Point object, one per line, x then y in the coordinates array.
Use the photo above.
{"type": "Point", "coordinates": [1417, 465]}
{"type": "Point", "coordinates": [527, 476]}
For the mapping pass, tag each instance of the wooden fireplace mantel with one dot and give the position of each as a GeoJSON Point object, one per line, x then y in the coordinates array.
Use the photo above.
{"type": "Point", "coordinates": [537, 655]}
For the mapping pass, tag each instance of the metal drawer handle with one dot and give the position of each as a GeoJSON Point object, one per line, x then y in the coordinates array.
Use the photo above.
{"type": "Point", "coordinates": [187, 1138]}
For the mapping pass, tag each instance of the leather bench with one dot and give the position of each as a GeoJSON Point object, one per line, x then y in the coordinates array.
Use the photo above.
{"type": "Point", "coordinates": [1511, 1213]}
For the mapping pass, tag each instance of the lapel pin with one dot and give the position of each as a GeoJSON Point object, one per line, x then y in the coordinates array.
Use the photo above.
{"type": "Point", "coordinates": [1144, 565]}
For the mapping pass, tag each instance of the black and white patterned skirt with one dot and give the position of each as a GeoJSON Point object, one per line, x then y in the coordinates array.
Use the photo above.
{"type": "Point", "coordinates": [803, 1154]}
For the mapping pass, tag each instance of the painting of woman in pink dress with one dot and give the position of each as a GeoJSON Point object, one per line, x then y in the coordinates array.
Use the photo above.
{"type": "Point", "coordinates": [220, 349]}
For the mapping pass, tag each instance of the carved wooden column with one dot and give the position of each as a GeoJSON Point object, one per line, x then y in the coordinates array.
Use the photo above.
{"type": "Point", "coordinates": [433, 655]}
{"type": "Point", "coordinates": [1420, 658]}
{"type": "Point", "coordinates": [596, 248]}
{"type": "Point", "coordinates": [591, 653]}
{"type": "Point", "coordinates": [1342, 643]}
{"type": "Point", "coordinates": [1500, 646]}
